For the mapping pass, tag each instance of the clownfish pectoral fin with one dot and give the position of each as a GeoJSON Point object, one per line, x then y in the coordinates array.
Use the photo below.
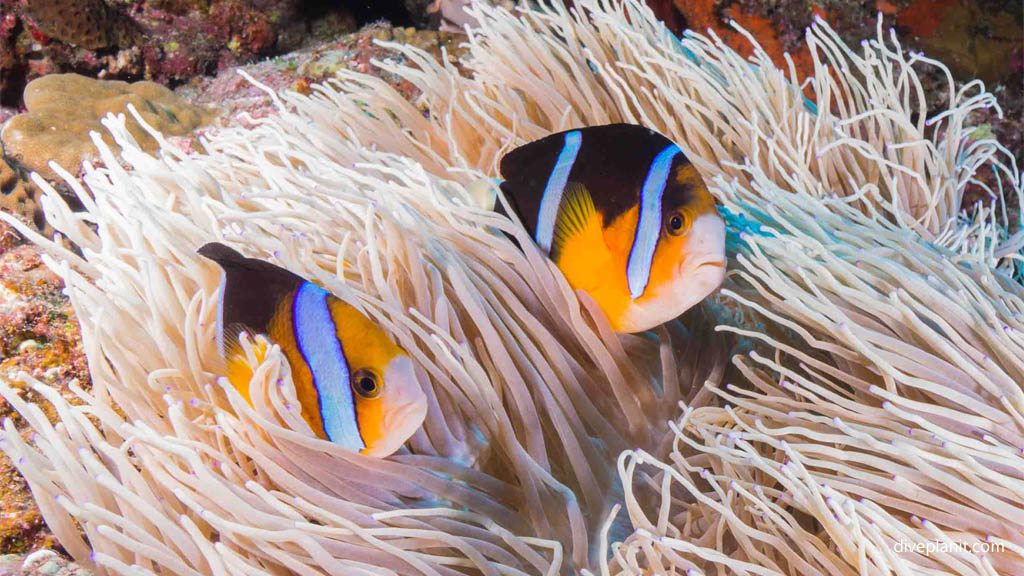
{"type": "Point", "coordinates": [231, 337]}
{"type": "Point", "coordinates": [576, 217]}
{"type": "Point", "coordinates": [578, 246]}
{"type": "Point", "coordinates": [241, 362]}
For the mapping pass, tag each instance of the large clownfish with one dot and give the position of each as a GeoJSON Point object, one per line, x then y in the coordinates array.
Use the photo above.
{"type": "Point", "coordinates": [625, 217]}
{"type": "Point", "coordinates": [357, 388]}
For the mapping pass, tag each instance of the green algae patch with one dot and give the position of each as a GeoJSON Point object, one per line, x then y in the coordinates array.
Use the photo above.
{"type": "Point", "coordinates": [64, 108]}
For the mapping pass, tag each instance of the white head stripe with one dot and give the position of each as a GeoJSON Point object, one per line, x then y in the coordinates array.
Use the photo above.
{"type": "Point", "coordinates": [552, 197]}
{"type": "Point", "coordinates": [223, 290]}
{"type": "Point", "coordinates": [648, 226]}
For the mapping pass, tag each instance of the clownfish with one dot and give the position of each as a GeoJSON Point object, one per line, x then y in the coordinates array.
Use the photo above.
{"type": "Point", "coordinates": [357, 388]}
{"type": "Point", "coordinates": [624, 215]}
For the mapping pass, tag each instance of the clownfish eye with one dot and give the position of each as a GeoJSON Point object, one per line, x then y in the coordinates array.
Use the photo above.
{"type": "Point", "coordinates": [366, 384]}
{"type": "Point", "coordinates": [676, 224]}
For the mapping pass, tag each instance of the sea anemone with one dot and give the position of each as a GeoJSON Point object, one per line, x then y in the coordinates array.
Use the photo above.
{"type": "Point", "coordinates": [850, 403]}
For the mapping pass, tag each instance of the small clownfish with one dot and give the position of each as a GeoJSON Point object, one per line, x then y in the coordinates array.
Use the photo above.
{"type": "Point", "coordinates": [625, 217]}
{"type": "Point", "coordinates": [357, 388]}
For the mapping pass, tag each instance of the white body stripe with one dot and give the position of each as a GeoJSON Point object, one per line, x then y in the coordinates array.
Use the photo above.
{"type": "Point", "coordinates": [318, 343]}
{"type": "Point", "coordinates": [220, 310]}
{"type": "Point", "coordinates": [648, 226]}
{"type": "Point", "coordinates": [552, 197]}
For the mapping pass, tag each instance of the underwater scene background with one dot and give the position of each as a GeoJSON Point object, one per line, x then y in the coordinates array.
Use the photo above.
{"type": "Point", "coordinates": [849, 402]}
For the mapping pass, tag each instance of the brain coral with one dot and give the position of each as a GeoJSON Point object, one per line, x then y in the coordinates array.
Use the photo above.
{"type": "Point", "coordinates": [64, 108]}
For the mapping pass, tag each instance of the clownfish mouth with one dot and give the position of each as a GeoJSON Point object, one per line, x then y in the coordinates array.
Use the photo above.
{"type": "Point", "coordinates": [700, 271]}
{"type": "Point", "coordinates": [693, 284]}
{"type": "Point", "coordinates": [710, 263]}
{"type": "Point", "coordinates": [702, 277]}
{"type": "Point", "coordinates": [400, 423]}
{"type": "Point", "coordinates": [409, 417]}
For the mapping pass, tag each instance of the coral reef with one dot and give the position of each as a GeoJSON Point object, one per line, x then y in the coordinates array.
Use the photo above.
{"type": "Point", "coordinates": [169, 42]}
{"type": "Point", "coordinates": [777, 26]}
{"type": "Point", "coordinates": [64, 108]}
{"type": "Point", "coordinates": [855, 387]}
{"type": "Point", "coordinates": [981, 39]}
{"type": "Point", "coordinates": [18, 196]}
{"type": "Point", "coordinates": [240, 98]}
{"type": "Point", "coordinates": [38, 335]}
{"type": "Point", "coordinates": [977, 39]}
{"type": "Point", "coordinates": [229, 92]}
{"type": "Point", "coordinates": [91, 24]}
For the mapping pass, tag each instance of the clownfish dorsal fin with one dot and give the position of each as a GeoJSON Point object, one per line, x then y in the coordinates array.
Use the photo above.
{"type": "Point", "coordinates": [240, 365]}
{"type": "Point", "coordinates": [578, 245]}
{"type": "Point", "coordinates": [220, 253]}
{"type": "Point", "coordinates": [251, 290]}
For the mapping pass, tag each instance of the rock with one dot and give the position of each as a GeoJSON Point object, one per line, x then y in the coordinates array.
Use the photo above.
{"type": "Point", "coordinates": [38, 331]}
{"type": "Point", "coordinates": [64, 108]}
{"type": "Point", "coordinates": [18, 196]}
{"type": "Point", "coordinates": [57, 125]}
{"type": "Point", "coordinates": [27, 346]}
{"type": "Point", "coordinates": [300, 70]}
{"type": "Point", "coordinates": [92, 24]}
{"type": "Point", "coordinates": [975, 38]}
{"type": "Point", "coordinates": [10, 564]}
{"type": "Point", "coordinates": [166, 41]}
{"type": "Point", "coordinates": [33, 309]}
{"type": "Point", "coordinates": [424, 13]}
{"type": "Point", "coordinates": [39, 563]}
